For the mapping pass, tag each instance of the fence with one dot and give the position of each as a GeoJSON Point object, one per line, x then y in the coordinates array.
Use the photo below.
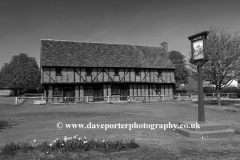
{"type": "Point", "coordinates": [87, 99]}
{"type": "Point", "coordinates": [222, 95]}
{"type": "Point", "coordinates": [190, 96]}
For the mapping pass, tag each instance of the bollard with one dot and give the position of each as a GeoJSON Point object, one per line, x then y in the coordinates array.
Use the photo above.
{"type": "Point", "coordinates": [16, 101]}
{"type": "Point", "coordinates": [108, 99]}
{"type": "Point", "coordinates": [163, 97]}
{"type": "Point", "coordinates": [179, 98]}
{"type": "Point", "coordinates": [146, 97]}
{"type": "Point", "coordinates": [87, 99]}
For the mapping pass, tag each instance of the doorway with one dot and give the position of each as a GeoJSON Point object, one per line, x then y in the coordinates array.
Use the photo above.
{"type": "Point", "coordinates": [97, 93]}
{"type": "Point", "coordinates": [69, 93]}
{"type": "Point", "coordinates": [124, 92]}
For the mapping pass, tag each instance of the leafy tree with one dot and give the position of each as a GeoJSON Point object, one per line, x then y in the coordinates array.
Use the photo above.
{"type": "Point", "coordinates": [223, 49]}
{"type": "Point", "coordinates": [181, 72]}
{"type": "Point", "coordinates": [4, 74]}
{"type": "Point", "coordinates": [21, 73]}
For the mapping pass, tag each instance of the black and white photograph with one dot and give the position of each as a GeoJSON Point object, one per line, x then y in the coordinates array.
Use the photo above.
{"type": "Point", "coordinates": [119, 80]}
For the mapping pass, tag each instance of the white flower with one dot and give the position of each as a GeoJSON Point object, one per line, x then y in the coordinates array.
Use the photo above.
{"type": "Point", "coordinates": [84, 137]}
{"type": "Point", "coordinates": [54, 141]}
{"type": "Point", "coordinates": [85, 142]}
{"type": "Point", "coordinates": [50, 144]}
{"type": "Point", "coordinates": [56, 138]}
{"type": "Point", "coordinates": [103, 141]}
{"type": "Point", "coordinates": [62, 144]}
{"type": "Point", "coordinates": [34, 140]}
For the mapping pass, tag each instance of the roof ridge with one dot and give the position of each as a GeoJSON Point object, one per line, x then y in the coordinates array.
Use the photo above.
{"type": "Point", "coordinates": [101, 43]}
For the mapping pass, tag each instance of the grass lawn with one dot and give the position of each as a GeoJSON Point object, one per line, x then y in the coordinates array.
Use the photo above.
{"type": "Point", "coordinates": [29, 122]}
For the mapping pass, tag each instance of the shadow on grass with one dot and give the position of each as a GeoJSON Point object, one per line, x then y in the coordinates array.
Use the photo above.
{"type": "Point", "coordinates": [206, 154]}
{"type": "Point", "coordinates": [223, 102]}
{"type": "Point", "coordinates": [4, 125]}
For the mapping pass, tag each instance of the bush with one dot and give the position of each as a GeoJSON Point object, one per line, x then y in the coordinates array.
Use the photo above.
{"type": "Point", "coordinates": [209, 90]}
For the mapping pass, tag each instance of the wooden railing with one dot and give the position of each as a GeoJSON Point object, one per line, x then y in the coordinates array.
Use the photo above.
{"type": "Point", "coordinates": [87, 99]}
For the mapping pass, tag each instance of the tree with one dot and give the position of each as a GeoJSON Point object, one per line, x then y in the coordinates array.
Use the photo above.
{"type": "Point", "coordinates": [181, 72]}
{"type": "Point", "coordinates": [223, 49]}
{"type": "Point", "coordinates": [21, 73]}
{"type": "Point", "coordinates": [4, 76]}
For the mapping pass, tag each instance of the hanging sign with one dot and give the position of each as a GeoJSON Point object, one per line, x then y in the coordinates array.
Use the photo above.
{"type": "Point", "coordinates": [198, 47]}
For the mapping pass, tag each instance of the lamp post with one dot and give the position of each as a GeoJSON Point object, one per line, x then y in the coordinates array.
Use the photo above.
{"type": "Point", "coordinates": [199, 57]}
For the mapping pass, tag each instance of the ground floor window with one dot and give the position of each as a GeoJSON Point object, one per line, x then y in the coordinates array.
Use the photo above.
{"type": "Point", "coordinates": [58, 92]}
{"type": "Point", "coordinates": [88, 90]}
{"type": "Point", "coordinates": [115, 89]}
{"type": "Point", "coordinates": [158, 89]}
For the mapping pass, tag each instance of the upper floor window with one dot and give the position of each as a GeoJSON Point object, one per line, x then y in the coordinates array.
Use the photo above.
{"type": "Point", "coordinates": [89, 71]}
{"type": "Point", "coordinates": [137, 72]}
{"type": "Point", "coordinates": [116, 72]}
{"type": "Point", "coordinates": [58, 71]}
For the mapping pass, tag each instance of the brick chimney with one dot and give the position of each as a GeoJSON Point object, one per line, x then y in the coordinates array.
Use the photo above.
{"type": "Point", "coordinates": [165, 46]}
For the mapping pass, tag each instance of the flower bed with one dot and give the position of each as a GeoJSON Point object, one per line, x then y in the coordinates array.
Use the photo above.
{"type": "Point", "coordinates": [71, 144]}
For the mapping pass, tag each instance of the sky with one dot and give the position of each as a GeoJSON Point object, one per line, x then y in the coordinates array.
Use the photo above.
{"type": "Point", "coordinates": [23, 23]}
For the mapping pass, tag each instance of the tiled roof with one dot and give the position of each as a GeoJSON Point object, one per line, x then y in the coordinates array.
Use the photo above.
{"type": "Point", "coordinates": [82, 54]}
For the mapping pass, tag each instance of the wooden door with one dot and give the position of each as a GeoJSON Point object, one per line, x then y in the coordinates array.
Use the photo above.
{"type": "Point", "coordinates": [124, 91]}
{"type": "Point", "coordinates": [69, 94]}
{"type": "Point", "coordinates": [98, 93]}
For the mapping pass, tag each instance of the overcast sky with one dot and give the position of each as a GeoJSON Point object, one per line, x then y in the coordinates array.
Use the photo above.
{"type": "Point", "coordinates": [23, 23]}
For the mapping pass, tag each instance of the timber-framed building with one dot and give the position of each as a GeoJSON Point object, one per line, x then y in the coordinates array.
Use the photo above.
{"type": "Point", "coordinates": [96, 70]}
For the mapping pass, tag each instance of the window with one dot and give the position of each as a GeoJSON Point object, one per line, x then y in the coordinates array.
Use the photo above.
{"type": "Point", "coordinates": [159, 73]}
{"type": "Point", "coordinates": [89, 71]}
{"type": "Point", "coordinates": [6, 90]}
{"type": "Point", "coordinates": [158, 89]}
{"type": "Point", "coordinates": [115, 89]}
{"type": "Point", "coordinates": [58, 92]}
{"type": "Point", "coordinates": [137, 72]}
{"type": "Point", "coordinates": [116, 71]}
{"type": "Point", "coordinates": [88, 90]}
{"type": "Point", "coordinates": [58, 71]}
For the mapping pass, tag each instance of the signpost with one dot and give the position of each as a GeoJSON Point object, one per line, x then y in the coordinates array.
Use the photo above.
{"type": "Point", "coordinates": [206, 129]}
{"type": "Point", "coordinates": [199, 57]}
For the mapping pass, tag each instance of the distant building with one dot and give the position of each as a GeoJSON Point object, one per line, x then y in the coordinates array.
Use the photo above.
{"type": "Point", "coordinates": [190, 87]}
{"type": "Point", "coordinates": [208, 84]}
{"type": "Point", "coordinates": [78, 69]}
{"type": "Point", "coordinates": [5, 91]}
